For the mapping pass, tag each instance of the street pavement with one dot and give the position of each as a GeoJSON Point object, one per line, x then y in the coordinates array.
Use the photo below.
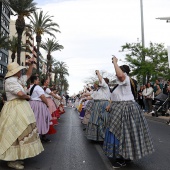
{"type": "Point", "coordinates": [70, 150]}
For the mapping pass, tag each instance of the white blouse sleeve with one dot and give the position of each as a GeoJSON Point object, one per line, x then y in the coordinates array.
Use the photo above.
{"type": "Point", "coordinates": [23, 80]}
{"type": "Point", "coordinates": [48, 91]}
{"type": "Point", "coordinates": [103, 83]}
{"type": "Point", "coordinates": [122, 83]}
{"type": "Point", "coordinates": [39, 91]}
{"type": "Point", "coordinates": [14, 87]}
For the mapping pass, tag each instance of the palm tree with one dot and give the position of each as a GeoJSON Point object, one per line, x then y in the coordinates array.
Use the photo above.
{"type": "Point", "coordinates": [41, 24]}
{"type": "Point", "coordinates": [60, 70]}
{"type": "Point", "coordinates": [12, 46]}
{"type": "Point", "coordinates": [13, 43]}
{"type": "Point", "coordinates": [50, 46]}
{"type": "Point", "coordinates": [23, 8]}
{"type": "Point", "coordinates": [3, 41]}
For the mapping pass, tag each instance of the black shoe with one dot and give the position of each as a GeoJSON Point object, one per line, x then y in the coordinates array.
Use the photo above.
{"type": "Point", "coordinates": [46, 140]}
{"type": "Point", "coordinates": [122, 160]}
{"type": "Point", "coordinates": [122, 163]}
{"type": "Point", "coordinates": [118, 164]}
{"type": "Point", "coordinates": [84, 129]}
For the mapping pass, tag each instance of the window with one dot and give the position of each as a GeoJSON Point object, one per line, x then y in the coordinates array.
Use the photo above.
{"type": "Point", "coordinates": [3, 57]}
{"type": "Point", "coordinates": [1, 84]}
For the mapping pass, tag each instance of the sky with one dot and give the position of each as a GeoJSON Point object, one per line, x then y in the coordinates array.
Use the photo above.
{"type": "Point", "coordinates": [94, 30]}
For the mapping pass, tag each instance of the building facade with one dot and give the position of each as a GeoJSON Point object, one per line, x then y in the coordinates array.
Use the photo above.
{"type": "Point", "coordinates": [27, 41]}
{"type": "Point", "coordinates": [4, 30]}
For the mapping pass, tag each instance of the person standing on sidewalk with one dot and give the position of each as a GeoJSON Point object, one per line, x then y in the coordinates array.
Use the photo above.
{"type": "Point", "coordinates": [67, 97]}
{"type": "Point", "coordinates": [19, 138]}
{"type": "Point", "coordinates": [127, 135]}
{"type": "Point", "coordinates": [148, 95]}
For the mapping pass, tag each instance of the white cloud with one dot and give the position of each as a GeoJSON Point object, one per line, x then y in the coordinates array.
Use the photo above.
{"type": "Point", "coordinates": [93, 30]}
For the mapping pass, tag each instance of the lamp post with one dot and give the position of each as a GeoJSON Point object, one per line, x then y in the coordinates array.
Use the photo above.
{"type": "Point", "coordinates": [142, 36]}
{"type": "Point", "coordinates": [142, 23]}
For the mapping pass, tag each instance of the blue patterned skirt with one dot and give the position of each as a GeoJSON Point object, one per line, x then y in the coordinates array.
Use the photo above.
{"type": "Point", "coordinates": [98, 120]}
{"type": "Point", "coordinates": [111, 143]}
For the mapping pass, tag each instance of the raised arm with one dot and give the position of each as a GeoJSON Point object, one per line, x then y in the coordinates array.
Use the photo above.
{"type": "Point", "coordinates": [119, 73]}
{"type": "Point", "coordinates": [99, 76]}
{"type": "Point", "coordinates": [30, 68]}
{"type": "Point", "coordinates": [55, 96]}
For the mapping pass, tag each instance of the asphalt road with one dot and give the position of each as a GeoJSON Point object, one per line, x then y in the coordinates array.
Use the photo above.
{"type": "Point", "coordinates": [70, 150]}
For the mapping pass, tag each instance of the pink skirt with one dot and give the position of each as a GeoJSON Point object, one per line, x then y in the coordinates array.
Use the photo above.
{"type": "Point", "coordinates": [52, 106]}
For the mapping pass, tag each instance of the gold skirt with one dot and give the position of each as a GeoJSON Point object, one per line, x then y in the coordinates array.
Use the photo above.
{"type": "Point", "coordinates": [19, 138]}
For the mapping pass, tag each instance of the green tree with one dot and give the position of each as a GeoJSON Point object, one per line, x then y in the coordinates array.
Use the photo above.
{"type": "Point", "coordinates": [42, 23]}
{"type": "Point", "coordinates": [60, 70]}
{"type": "Point", "coordinates": [12, 46]}
{"type": "Point", "coordinates": [50, 46]}
{"type": "Point", "coordinates": [155, 64]}
{"type": "Point", "coordinates": [23, 8]}
{"type": "Point", "coordinates": [3, 41]}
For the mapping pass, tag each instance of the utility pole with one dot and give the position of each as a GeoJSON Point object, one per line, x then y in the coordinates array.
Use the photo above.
{"type": "Point", "coordinates": [142, 23]}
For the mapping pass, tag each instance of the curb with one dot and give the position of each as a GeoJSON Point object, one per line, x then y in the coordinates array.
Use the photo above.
{"type": "Point", "coordinates": [157, 119]}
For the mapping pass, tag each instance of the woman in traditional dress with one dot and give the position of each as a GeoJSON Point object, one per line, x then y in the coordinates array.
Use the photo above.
{"type": "Point", "coordinates": [57, 103]}
{"type": "Point", "coordinates": [19, 138]}
{"type": "Point", "coordinates": [52, 107]}
{"type": "Point", "coordinates": [98, 118]}
{"type": "Point", "coordinates": [89, 106]}
{"type": "Point", "coordinates": [127, 134]}
{"type": "Point", "coordinates": [39, 106]}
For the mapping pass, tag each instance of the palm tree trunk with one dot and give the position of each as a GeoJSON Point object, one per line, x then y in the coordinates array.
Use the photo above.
{"type": "Point", "coordinates": [20, 26]}
{"type": "Point", "coordinates": [55, 77]}
{"type": "Point", "coordinates": [19, 49]}
{"type": "Point", "coordinates": [38, 40]}
{"type": "Point", "coordinates": [13, 57]}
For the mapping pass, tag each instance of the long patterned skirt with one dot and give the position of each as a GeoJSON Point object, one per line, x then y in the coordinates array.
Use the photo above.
{"type": "Point", "coordinates": [52, 106]}
{"type": "Point", "coordinates": [129, 129]}
{"type": "Point", "coordinates": [19, 138]}
{"type": "Point", "coordinates": [42, 116]}
{"type": "Point", "coordinates": [88, 110]}
{"type": "Point", "coordinates": [98, 120]}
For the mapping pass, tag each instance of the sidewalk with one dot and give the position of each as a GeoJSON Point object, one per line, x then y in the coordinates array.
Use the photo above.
{"type": "Point", "coordinates": [162, 119]}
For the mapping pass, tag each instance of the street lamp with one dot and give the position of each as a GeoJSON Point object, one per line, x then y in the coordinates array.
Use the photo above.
{"type": "Point", "coordinates": [142, 23]}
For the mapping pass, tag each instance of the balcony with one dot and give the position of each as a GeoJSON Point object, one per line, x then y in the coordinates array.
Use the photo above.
{"type": "Point", "coordinates": [28, 42]}
{"type": "Point", "coordinates": [29, 34]}
{"type": "Point", "coordinates": [28, 49]}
